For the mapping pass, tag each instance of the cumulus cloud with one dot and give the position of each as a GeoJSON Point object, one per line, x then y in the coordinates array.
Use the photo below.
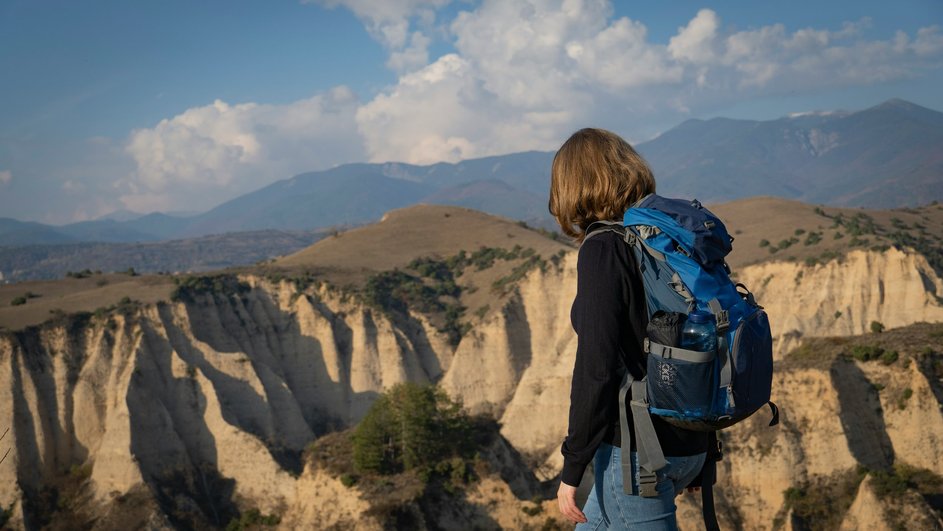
{"type": "Point", "coordinates": [392, 23]}
{"type": "Point", "coordinates": [6, 176]}
{"type": "Point", "coordinates": [521, 75]}
{"type": "Point", "coordinates": [237, 148]}
{"type": "Point", "coordinates": [525, 73]}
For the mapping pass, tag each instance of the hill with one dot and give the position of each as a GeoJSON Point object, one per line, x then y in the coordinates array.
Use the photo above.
{"type": "Point", "coordinates": [46, 262]}
{"type": "Point", "coordinates": [881, 157]}
{"type": "Point", "coordinates": [884, 156]}
{"type": "Point", "coordinates": [774, 229]}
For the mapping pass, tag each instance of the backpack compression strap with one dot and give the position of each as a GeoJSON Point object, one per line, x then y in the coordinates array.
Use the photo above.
{"type": "Point", "coordinates": [650, 456]}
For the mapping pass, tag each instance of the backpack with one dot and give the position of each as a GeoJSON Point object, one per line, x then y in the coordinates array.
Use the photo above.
{"type": "Point", "coordinates": [679, 247]}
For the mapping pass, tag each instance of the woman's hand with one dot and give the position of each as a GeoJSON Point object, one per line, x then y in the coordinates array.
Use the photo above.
{"type": "Point", "coordinates": [566, 497]}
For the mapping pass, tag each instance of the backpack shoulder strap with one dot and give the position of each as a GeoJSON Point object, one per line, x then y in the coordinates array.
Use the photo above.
{"type": "Point", "coordinates": [598, 227]}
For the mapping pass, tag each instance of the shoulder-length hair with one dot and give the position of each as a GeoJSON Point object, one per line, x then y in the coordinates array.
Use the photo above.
{"type": "Point", "coordinates": [596, 175]}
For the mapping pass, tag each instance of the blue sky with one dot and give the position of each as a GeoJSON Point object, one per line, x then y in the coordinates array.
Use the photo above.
{"type": "Point", "coordinates": [178, 105]}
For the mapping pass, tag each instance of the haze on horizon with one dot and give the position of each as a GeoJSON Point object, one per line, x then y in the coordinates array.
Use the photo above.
{"type": "Point", "coordinates": [177, 107]}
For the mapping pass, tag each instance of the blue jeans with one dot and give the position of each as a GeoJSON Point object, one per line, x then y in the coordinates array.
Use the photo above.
{"type": "Point", "coordinates": [608, 507]}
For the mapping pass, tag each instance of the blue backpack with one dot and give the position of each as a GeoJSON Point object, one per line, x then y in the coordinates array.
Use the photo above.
{"type": "Point", "coordinates": [679, 247]}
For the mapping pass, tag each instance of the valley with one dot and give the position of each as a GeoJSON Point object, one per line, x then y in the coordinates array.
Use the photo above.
{"type": "Point", "coordinates": [195, 400]}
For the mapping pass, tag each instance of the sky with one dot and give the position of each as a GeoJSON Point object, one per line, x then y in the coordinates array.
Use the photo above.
{"type": "Point", "coordinates": [177, 106]}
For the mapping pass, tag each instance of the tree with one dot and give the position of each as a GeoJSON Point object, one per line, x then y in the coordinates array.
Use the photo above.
{"type": "Point", "coordinates": [877, 327]}
{"type": "Point", "coordinates": [410, 427]}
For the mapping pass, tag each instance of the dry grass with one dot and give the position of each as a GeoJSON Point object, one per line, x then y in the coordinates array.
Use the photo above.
{"type": "Point", "coordinates": [750, 221]}
{"type": "Point", "coordinates": [77, 294]}
{"type": "Point", "coordinates": [440, 232]}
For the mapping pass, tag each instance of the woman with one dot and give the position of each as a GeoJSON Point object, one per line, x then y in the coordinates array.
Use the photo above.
{"type": "Point", "coordinates": [596, 175]}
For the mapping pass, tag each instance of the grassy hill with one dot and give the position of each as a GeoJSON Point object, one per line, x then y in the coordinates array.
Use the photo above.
{"type": "Point", "coordinates": [452, 262]}
{"type": "Point", "coordinates": [768, 228]}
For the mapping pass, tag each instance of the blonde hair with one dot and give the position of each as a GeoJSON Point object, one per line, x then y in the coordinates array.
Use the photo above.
{"type": "Point", "coordinates": [596, 175]}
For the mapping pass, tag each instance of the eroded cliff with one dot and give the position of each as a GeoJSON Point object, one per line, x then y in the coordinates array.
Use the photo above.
{"type": "Point", "coordinates": [204, 407]}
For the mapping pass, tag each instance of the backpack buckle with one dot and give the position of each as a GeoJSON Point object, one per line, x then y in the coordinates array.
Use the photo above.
{"type": "Point", "coordinates": [723, 321]}
{"type": "Point", "coordinates": [647, 485]}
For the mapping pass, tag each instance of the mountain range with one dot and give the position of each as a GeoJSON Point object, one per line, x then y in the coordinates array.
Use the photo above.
{"type": "Point", "coordinates": [885, 156]}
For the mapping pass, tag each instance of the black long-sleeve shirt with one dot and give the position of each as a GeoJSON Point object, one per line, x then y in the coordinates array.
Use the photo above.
{"type": "Point", "coordinates": [609, 317]}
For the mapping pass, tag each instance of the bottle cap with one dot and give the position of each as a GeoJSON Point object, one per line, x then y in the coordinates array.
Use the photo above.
{"type": "Point", "coordinates": [700, 316]}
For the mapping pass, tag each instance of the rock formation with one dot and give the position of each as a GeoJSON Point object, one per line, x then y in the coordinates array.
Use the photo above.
{"type": "Point", "coordinates": [206, 406]}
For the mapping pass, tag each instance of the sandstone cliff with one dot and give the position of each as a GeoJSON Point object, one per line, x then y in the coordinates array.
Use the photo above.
{"type": "Point", "coordinates": [208, 404]}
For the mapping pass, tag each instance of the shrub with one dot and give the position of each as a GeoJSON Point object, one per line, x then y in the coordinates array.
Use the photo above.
{"type": "Point", "coordinates": [223, 284]}
{"type": "Point", "coordinates": [348, 480]}
{"type": "Point", "coordinates": [251, 519]}
{"type": "Point", "coordinates": [764, 243]}
{"type": "Point", "coordinates": [877, 327]}
{"type": "Point", "coordinates": [18, 301]}
{"type": "Point", "coordinates": [410, 427]}
{"type": "Point", "coordinates": [866, 352]}
{"type": "Point", "coordinates": [889, 357]}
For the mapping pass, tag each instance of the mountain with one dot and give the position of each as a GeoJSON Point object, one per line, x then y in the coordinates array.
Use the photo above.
{"type": "Point", "coordinates": [14, 232]}
{"type": "Point", "coordinates": [53, 261]}
{"type": "Point", "coordinates": [349, 194]}
{"type": "Point", "coordinates": [886, 156]}
{"type": "Point", "coordinates": [881, 157]}
{"type": "Point", "coordinates": [196, 402]}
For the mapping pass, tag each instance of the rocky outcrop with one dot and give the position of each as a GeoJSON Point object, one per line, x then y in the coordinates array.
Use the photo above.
{"type": "Point", "coordinates": [843, 296]}
{"type": "Point", "coordinates": [209, 403]}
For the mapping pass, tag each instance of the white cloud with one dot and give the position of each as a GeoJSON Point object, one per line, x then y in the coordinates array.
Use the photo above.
{"type": "Point", "coordinates": [391, 23]}
{"type": "Point", "coordinates": [6, 176]}
{"type": "Point", "coordinates": [186, 161]}
{"type": "Point", "coordinates": [525, 73]}
{"type": "Point", "coordinates": [695, 42]}
{"type": "Point", "coordinates": [522, 75]}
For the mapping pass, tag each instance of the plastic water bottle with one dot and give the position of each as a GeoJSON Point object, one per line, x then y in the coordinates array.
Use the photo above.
{"type": "Point", "coordinates": [699, 332]}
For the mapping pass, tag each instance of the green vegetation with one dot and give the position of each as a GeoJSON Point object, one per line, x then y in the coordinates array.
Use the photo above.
{"type": "Point", "coordinates": [813, 238]}
{"type": "Point", "coordinates": [799, 232]}
{"type": "Point", "coordinates": [821, 502]}
{"type": "Point", "coordinates": [930, 249]}
{"type": "Point", "coordinates": [428, 285]}
{"type": "Point", "coordinates": [413, 427]}
{"type": "Point", "coordinates": [503, 284]}
{"type": "Point", "coordinates": [18, 301]}
{"type": "Point", "coordinates": [904, 397]}
{"type": "Point", "coordinates": [892, 484]}
{"type": "Point", "coordinates": [85, 273]}
{"type": "Point", "coordinates": [189, 287]}
{"type": "Point", "coordinates": [251, 519]}
{"type": "Point", "coordinates": [889, 357]}
{"type": "Point", "coordinates": [125, 306]}
{"type": "Point", "coordinates": [764, 243]}
{"type": "Point", "coordinates": [399, 292]}
{"type": "Point", "coordinates": [877, 327]}
{"type": "Point", "coordinates": [866, 352]}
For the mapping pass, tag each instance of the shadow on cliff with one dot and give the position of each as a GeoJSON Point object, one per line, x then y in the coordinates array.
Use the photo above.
{"type": "Point", "coordinates": [861, 416]}
{"type": "Point", "coordinates": [44, 470]}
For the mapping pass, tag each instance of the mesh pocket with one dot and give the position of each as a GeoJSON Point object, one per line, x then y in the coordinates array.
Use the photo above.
{"type": "Point", "coordinates": [680, 388]}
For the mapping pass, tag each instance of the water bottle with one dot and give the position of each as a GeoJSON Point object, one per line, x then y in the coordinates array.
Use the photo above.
{"type": "Point", "coordinates": [699, 332]}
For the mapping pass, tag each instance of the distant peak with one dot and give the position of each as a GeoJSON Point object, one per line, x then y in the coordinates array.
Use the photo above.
{"type": "Point", "coordinates": [814, 113]}
{"type": "Point", "coordinates": [898, 104]}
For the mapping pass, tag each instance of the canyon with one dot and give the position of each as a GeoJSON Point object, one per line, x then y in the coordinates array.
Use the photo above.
{"type": "Point", "coordinates": [177, 412]}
